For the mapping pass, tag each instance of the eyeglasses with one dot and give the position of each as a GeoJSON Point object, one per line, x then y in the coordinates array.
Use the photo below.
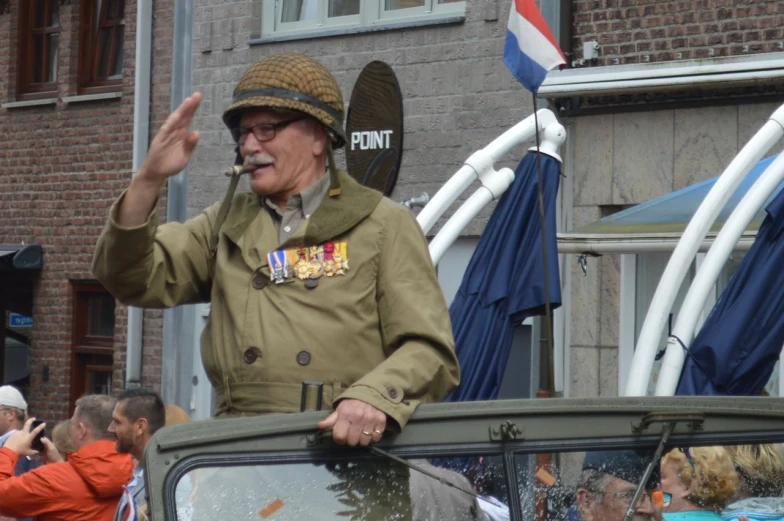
{"type": "Point", "coordinates": [687, 454]}
{"type": "Point", "coordinates": [626, 496]}
{"type": "Point", "coordinates": [262, 132]}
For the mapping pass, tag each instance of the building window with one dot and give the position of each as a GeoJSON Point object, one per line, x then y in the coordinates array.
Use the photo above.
{"type": "Point", "coordinates": [643, 273]}
{"type": "Point", "coordinates": [39, 38]}
{"type": "Point", "coordinates": [283, 17]}
{"type": "Point", "coordinates": [101, 45]}
{"type": "Point", "coordinates": [92, 340]}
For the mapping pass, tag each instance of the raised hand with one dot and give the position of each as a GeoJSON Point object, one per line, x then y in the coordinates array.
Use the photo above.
{"type": "Point", "coordinates": [173, 145]}
{"type": "Point", "coordinates": [21, 441]}
{"type": "Point", "coordinates": [168, 154]}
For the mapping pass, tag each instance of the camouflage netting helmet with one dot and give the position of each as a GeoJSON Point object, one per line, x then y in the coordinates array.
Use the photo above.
{"type": "Point", "coordinates": [290, 82]}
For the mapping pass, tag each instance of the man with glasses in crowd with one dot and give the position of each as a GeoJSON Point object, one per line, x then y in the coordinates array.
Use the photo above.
{"type": "Point", "coordinates": [322, 291]}
{"type": "Point", "coordinates": [607, 485]}
{"type": "Point", "coordinates": [13, 413]}
{"type": "Point", "coordinates": [13, 410]}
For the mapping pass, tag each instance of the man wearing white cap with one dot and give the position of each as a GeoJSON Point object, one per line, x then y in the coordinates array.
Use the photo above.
{"type": "Point", "coordinates": [13, 409]}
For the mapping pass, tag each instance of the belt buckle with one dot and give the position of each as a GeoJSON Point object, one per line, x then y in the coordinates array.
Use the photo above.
{"type": "Point", "coordinates": [319, 394]}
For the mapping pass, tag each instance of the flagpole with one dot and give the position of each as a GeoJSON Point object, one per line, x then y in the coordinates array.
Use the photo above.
{"type": "Point", "coordinates": [546, 375]}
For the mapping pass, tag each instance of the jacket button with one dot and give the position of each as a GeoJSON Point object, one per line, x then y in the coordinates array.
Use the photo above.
{"type": "Point", "coordinates": [303, 358]}
{"type": "Point", "coordinates": [250, 355]}
{"type": "Point", "coordinates": [260, 281]}
{"type": "Point", "coordinates": [392, 393]}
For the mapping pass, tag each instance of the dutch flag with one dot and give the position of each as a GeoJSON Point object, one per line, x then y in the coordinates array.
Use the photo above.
{"type": "Point", "coordinates": [530, 51]}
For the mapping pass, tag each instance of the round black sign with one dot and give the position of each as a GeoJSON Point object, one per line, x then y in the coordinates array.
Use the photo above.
{"type": "Point", "coordinates": [374, 128]}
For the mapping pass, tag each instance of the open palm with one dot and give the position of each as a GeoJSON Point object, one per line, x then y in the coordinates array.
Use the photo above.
{"type": "Point", "coordinates": [173, 145]}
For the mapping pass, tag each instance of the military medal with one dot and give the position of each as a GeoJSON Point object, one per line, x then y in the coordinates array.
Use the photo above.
{"type": "Point", "coordinates": [301, 265]}
{"type": "Point", "coordinates": [278, 266]}
{"type": "Point", "coordinates": [308, 263]}
{"type": "Point", "coordinates": [329, 260]}
{"type": "Point", "coordinates": [315, 267]}
{"type": "Point", "coordinates": [341, 258]}
{"type": "Point", "coordinates": [335, 260]}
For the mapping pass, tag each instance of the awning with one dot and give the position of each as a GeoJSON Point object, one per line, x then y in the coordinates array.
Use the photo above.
{"type": "Point", "coordinates": [703, 73]}
{"type": "Point", "coordinates": [21, 257]}
{"type": "Point", "coordinates": [657, 225]}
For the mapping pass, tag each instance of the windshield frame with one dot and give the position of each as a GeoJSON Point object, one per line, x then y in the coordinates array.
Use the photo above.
{"type": "Point", "coordinates": [264, 440]}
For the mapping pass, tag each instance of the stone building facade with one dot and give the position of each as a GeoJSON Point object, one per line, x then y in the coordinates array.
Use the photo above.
{"type": "Point", "coordinates": [67, 121]}
{"type": "Point", "coordinates": [628, 146]}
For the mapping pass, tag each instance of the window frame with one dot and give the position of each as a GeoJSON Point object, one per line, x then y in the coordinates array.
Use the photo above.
{"type": "Point", "coordinates": [89, 353]}
{"type": "Point", "coordinates": [372, 16]}
{"type": "Point", "coordinates": [264, 444]}
{"type": "Point", "coordinates": [27, 89]}
{"type": "Point", "coordinates": [89, 54]}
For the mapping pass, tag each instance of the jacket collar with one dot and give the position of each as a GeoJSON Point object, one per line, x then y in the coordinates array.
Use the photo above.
{"type": "Point", "coordinates": [335, 216]}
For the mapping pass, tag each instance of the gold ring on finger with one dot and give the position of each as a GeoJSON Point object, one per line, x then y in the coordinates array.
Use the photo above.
{"type": "Point", "coordinates": [378, 432]}
{"type": "Point", "coordinates": [366, 433]}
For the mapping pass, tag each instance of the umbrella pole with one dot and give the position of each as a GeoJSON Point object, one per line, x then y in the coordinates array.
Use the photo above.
{"type": "Point", "coordinates": [544, 461]}
{"type": "Point", "coordinates": [546, 369]}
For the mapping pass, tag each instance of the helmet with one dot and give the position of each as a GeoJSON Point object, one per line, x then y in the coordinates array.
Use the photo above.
{"type": "Point", "coordinates": [290, 82]}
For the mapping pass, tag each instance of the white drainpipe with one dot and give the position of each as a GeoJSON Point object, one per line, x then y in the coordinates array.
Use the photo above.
{"type": "Point", "coordinates": [141, 137]}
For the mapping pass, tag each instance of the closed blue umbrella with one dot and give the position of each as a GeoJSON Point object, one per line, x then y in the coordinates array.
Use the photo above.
{"type": "Point", "coordinates": [737, 348]}
{"type": "Point", "coordinates": [504, 281]}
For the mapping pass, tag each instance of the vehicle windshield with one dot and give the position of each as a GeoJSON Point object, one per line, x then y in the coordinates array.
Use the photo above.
{"type": "Point", "coordinates": [568, 485]}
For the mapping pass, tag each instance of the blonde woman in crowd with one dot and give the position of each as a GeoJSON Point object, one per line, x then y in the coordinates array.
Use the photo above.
{"type": "Point", "coordinates": [759, 493]}
{"type": "Point", "coordinates": [697, 483]}
{"type": "Point", "coordinates": [61, 438]}
{"type": "Point", "coordinates": [176, 414]}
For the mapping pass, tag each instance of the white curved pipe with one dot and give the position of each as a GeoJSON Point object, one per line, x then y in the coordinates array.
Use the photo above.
{"type": "Point", "coordinates": [553, 136]}
{"type": "Point", "coordinates": [444, 198]}
{"type": "Point", "coordinates": [498, 148]}
{"type": "Point", "coordinates": [480, 162]}
{"type": "Point", "coordinates": [687, 247]}
{"type": "Point", "coordinates": [709, 272]}
{"type": "Point", "coordinates": [457, 223]}
{"type": "Point", "coordinates": [494, 184]}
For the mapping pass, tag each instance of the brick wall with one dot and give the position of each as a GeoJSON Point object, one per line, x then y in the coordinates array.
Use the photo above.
{"type": "Point", "coordinates": [61, 167]}
{"type": "Point", "coordinates": [647, 31]}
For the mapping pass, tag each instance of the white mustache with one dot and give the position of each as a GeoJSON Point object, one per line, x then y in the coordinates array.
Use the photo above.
{"type": "Point", "coordinates": [259, 160]}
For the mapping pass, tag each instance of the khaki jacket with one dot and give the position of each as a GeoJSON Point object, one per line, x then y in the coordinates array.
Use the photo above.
{"type": "Point", "coordinates": [379, 333]}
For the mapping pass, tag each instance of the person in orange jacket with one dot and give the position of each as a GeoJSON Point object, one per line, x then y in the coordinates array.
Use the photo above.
{"type": "Point", "coordinates": [87, 486]}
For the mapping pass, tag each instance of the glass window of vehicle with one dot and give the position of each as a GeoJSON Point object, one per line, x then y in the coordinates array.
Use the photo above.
{"type": "Point", "coordinates": [598, 483]}
{"type": "Point", "coordinates": [39, 44]}
{"type": "Point", "coordinates": [724, 477]}
{"type": "Point", "coordinates": [346, 488]}
{"type": "Point", "coordinates": [293, 17]}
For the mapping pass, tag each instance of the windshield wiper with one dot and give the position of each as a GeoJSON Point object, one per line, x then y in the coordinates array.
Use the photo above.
{"type": "Point", "coordinates": [414, 466]}
{"type": "Point", "coordinates": [668, 428]}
